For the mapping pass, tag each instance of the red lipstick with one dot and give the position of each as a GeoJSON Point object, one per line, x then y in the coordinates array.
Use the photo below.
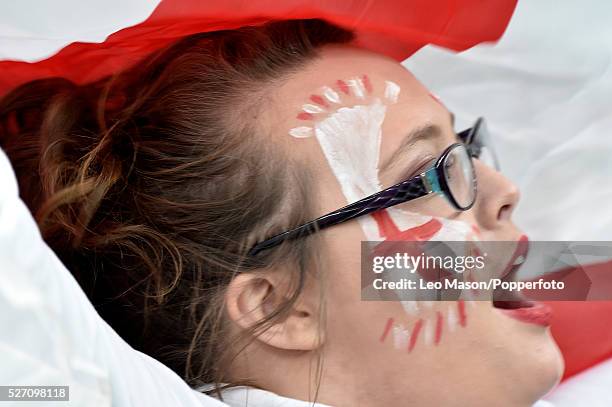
{"type": "Point", "coordinates": [537, 313]}
{"type": "Point", "coordinates": [515, 305]}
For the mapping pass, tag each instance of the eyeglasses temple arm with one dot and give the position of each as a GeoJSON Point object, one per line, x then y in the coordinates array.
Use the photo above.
{"type": "Point", "coordinates": [394, 195]}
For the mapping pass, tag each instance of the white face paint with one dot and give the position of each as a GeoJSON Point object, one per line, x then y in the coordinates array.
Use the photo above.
{"type": "Point", "coordinates": [428, 332]}
{"type": "Point", "coordinates": [310, 108]}
{"type": "Point", "coordinates": [400, 337]}
{"type": "Point", "coordinates": [301, 132]}
{"type": "Point", "coordinates": [331, 95]}
{"type": "Point", "coordinates": [392, 91]}
{"type": "Point", "coordinates": [350, 137]}
{"type": "Point", "coordinates": [411, 307]}
{"type": "Point", "coordinates": [452, 318]}
{"type": "Point", "coordinates": [357, 87]}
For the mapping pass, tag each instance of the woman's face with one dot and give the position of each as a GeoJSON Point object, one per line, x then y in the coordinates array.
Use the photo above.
{"type": "Point", "coordinates": [352, 117]}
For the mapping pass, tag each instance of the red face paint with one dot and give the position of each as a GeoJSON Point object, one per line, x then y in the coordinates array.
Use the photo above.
{"type": "Point", "coordinates": [366, 83]}
{"type": "Point", "coordinates": [392, 224]}
{"type": "Point", "coordinates": [462, 314]}
{"type": "Point", "coordinates": [387, 329]}
{"type": "Point", "coordinates": [331, 97]}
{"type": "Point", "coordinates": [342, 86]}
{"type": "Point", "coordinates": [390, 231]}
{"type": "Point", "coordinates": [415, 334]}
{"type": "Point", "coordinates": [305, 116]}
{"type": "Point", "coordinates": [319, 100]}
{"type": "Point", "coordinates": [439, 321]}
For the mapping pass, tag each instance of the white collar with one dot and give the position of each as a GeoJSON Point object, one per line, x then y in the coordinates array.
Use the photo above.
{"type": "Point", "coordinates": [244, 396]}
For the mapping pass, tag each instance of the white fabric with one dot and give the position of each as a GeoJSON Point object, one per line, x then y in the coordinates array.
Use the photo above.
{"type": "Point", "coordinates": [578, 390]}
{"type": "Point", "coordinates": [51, 335]}
{"type": "Point", "coordinates": [546, 90]}
{"type": "Point", "coordinates": [244, 396]}
{"type": "Point", "coordinates": [31, 30]}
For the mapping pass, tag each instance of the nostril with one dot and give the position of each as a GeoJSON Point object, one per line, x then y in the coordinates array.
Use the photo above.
{"type": "Point", "coordinates": [504, 212]}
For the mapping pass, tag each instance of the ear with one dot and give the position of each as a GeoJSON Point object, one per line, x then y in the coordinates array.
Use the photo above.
{"type": "Point", "coordinates": [250, 297]}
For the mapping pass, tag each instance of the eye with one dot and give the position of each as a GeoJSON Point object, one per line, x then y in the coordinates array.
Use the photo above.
{"type": "Point", "coordinates": [449, 163]}
{"type": "Point", "coordinates": [413, 171]}
{"type": "Point", "coordinates": [428, 163]}
{"type": "Point", "coordinates": [424, 166]}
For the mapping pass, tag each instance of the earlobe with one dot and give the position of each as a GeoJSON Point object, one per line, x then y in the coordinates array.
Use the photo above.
{"type": "Point", "coordinates": [251, 298]}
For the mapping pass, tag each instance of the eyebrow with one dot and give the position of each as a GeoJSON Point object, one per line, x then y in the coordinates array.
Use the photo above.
{"type": "Point", "coordinates": [426, 132]}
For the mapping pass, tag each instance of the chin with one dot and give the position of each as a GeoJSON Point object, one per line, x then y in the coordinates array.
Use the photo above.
{"type": "Point", "coordinates": [547, 367]}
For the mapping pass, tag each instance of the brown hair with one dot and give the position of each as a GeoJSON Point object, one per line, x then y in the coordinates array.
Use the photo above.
{"type": "Point", "coordinates": [151, 185]}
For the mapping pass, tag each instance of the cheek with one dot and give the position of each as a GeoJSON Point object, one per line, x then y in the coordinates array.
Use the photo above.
{"type": "Point", "coordinates": [342, 261]}
{"type": "Point", "coordinates": [350, 139]}
{"type": "Point", "coordinates": [423, 324]}
{"type": "Point", "coordinates": [399, 225]}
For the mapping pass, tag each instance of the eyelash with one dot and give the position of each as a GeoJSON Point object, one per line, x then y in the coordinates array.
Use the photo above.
{"type": "Point", "coordinates": [424, 164]}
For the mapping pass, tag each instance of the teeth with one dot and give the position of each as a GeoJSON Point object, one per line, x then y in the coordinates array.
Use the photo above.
{"type": "Point", "coordinates": [519, 260]}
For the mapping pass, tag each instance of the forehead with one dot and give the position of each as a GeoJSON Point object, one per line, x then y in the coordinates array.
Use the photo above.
{"type": "Point", "coordinates": [346, 62]}
{"type": "Point", "coordinates": [414, 108]}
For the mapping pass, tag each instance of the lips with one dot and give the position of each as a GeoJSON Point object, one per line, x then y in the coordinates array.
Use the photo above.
{"type": "Point", "coordinates": [514, 305]}
{"type": "Point", "coordinates": [538, 314]}
{"type": "Point", "coordinates": [511, 300]}
{"type": "Point", "coordinates": [517, 259]}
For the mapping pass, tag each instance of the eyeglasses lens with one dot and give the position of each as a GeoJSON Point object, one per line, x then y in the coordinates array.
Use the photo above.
{"type": "Point", "coordinates": [484, 147]}
{"type": "Point", "coordinates": [459, 174]}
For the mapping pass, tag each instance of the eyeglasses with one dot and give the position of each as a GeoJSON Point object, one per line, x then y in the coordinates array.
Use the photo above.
{"type": "Point", "coordinates": [452, 175]}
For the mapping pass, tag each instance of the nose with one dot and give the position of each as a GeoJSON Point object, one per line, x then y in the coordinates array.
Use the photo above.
{"type": "Point", "coordinates": [497, 197]}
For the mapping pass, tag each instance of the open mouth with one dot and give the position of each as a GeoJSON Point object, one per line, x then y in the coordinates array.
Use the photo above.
{"type": "Point", "coordinates": [517, 301]}
{"type": "Point", "coordinates": [504, 299]}
{"type": "Point", "coordinates": [513, 304]}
